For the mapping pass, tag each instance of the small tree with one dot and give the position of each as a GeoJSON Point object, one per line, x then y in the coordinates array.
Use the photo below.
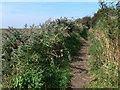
{"type": "Point", "coordinates": [102, 4]}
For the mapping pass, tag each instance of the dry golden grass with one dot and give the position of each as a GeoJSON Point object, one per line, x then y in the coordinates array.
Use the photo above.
{"type": "Point", "coordinates": [110, 51]}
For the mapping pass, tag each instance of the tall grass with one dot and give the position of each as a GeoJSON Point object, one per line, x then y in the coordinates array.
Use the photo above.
{"type": "Point", "coordinates": [104, 52]}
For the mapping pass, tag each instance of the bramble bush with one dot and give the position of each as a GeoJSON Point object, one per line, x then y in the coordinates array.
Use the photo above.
{"type": "Point", "coordinates": [40, 57]}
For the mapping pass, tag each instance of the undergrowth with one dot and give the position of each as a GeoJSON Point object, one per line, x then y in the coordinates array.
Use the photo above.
{"type": "Point", "coordinates": [104, 53]}
{"type": "Point", "coordinates": [40, 57]}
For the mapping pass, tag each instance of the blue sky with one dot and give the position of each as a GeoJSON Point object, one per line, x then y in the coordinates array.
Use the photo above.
{"type": "Point", "coordinates": [17, 14]}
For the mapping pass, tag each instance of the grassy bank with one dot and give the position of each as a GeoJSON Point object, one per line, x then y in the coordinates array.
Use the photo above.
{"type": "Point", "coordinates": [104, 51]}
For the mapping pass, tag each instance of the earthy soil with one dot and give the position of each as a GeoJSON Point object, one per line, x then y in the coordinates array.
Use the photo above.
{"type": "Point", "coordinates": [79, 67]}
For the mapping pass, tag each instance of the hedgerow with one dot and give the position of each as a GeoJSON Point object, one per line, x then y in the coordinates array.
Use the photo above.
{"type": "Point", "coordinates": [104, 50]}
{"type": "Point", "coordinates": [40, 57]}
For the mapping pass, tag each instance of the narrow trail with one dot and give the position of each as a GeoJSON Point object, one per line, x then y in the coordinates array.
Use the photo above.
{"type": "Point", "coordinates": [80, 67]}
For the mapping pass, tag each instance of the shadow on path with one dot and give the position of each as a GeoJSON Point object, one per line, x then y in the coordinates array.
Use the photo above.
{"type": "Point", "coordinates": [80, 67]}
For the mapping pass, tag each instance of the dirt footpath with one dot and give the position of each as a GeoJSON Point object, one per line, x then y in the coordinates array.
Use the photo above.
{"type": "Point", "coordinates": [80, 67]}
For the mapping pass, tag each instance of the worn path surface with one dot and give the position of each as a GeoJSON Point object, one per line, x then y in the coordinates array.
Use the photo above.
{"type": "Point", "coordinates": [80, 67]}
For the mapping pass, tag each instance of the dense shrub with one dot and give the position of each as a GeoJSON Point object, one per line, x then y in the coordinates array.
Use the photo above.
{"type": "Point", "coordinates": [40, 57]}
